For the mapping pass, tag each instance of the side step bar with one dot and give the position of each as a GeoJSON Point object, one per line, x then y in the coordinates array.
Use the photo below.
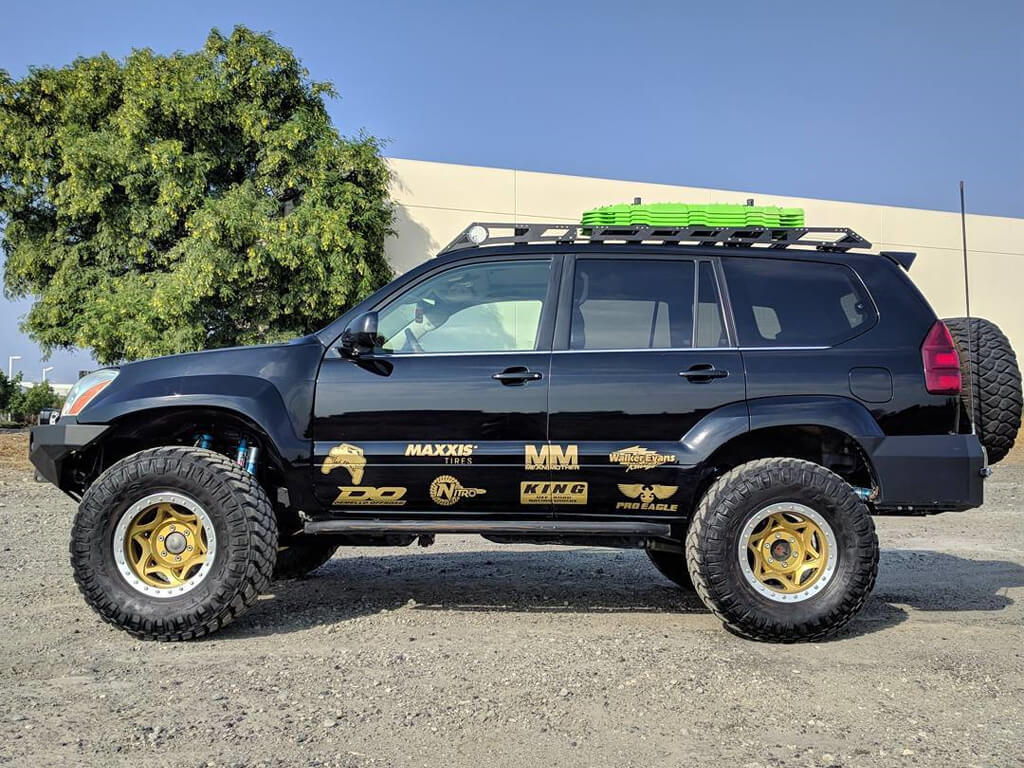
{"type": "Point", "coordinates": [558, 527]}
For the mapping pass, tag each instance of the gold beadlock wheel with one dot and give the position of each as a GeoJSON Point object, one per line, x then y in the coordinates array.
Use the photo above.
{"type": "Point", "coordinates": [165, 544]}
{"type": "Point", "coordinates": [787, 552]}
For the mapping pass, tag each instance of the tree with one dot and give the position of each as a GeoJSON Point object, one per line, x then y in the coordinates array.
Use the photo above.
{"type": "Point", "coordinates": [26, 405]}
{"type": "Point", "coordinates": [169, 203]}
{"type": "Point", "coordinates": [8, 389]}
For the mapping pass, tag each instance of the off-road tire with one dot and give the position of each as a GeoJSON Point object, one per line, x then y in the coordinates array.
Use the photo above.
{"type": "Point", "coordinates": [243, 521]}
{"type": "Point", "coordinates": [672, 565]}
{"type": "Point", "coordinates": [713, 537]}
{"type": "Point", "coordinates": [299, 556]}
{"type": "Point", "coordinates": [994, 378]}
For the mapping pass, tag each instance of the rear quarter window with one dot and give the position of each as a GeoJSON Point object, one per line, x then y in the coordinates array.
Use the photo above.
{"type": "Point", "coordinates": [788, 303]}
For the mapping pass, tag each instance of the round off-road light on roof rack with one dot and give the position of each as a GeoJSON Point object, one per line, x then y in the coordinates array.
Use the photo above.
{"type": "Point", "coordinates": [477, 234]}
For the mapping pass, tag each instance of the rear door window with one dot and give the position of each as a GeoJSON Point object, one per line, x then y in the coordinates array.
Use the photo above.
{"type": "Point", "coordinates": [788, 303]}
{"type": "Point", "coordinates": [632, 304]}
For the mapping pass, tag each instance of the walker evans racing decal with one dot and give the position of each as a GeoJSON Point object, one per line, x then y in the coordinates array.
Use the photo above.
{"type": "Point", "coordinates": [452, 453]}
{"type": "Point", "coordinates": [640, 458]}
{"type": "Point", "coordinates": [446, 490]}
{"type": "Point", "coordinates": [348, 456]}
{"type": "Point", "coordinates": [351, 458]}
{"type": "Point", "coordinates": [552, 457]}
{"type": "Point", "coordinates": [647, 497]}
{"type": "Point", "coordinates": [552, 493]}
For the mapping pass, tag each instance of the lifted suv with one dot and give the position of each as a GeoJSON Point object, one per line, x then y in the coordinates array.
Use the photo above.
{"type": "Point", "coordinates": [737, 402]}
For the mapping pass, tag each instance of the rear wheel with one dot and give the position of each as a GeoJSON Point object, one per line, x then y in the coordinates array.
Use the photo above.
{"type": "Point", "coordinates": [672, 565]}
{"type": "Point", "coordinates": [992, 381]}
{"type": "Point", "coordinates": [782, 550]}
{"type": "Point", "coordinates": [173, 543]}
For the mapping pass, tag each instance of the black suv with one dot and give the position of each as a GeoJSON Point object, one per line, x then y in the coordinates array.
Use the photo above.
{"type": "Point", "coordinates": [738, 403]}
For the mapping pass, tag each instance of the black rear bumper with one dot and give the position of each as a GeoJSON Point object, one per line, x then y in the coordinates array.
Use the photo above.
{"type": "Point", "coordinates": [918, 474]}
{"type": "Point", "coordinates": [51, 445]}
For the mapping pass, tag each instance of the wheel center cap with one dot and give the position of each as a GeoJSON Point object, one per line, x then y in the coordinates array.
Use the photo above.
{"type": "Point", "coordinates": [175, 543]}
{"type": "Point", "coordinates": [781, 550]}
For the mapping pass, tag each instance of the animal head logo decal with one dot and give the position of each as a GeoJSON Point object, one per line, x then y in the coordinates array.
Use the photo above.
{"type": "Point", "coordinates": [348, 456]}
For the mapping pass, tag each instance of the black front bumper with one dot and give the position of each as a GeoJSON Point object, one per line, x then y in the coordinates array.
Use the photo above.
{"type": "Point", "coordinates": [51, 445]}
{"type": "Point", "coordinates": [918, 474]}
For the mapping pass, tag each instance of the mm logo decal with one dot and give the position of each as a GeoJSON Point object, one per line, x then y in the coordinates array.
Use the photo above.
{"type": "Point", "coordinates": [452, 453]}
{"type": "Point", "coordinates": [348, 456]}
{"type": "Point", "coordinates": [552, 457]}
{"type": "Point", "coordinates": [648, 498]}
{"type": "Point", "coordinates": [636, 457]}
{"type": "Point", "coordinates": [358, 496]}
{"type": "Point", "coordinates": [552, 493]}
{"type": "Point", "coordinates": [446, 491]}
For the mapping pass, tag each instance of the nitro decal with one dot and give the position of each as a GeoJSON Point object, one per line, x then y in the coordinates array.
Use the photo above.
{"type": "Point", "coordinates": [357, 496]}
{"type": "Point", "coordinates": [552, 457]}
{"type": "Point", "coordinates": [640, 458]}
{"type": "Point", "coordinates": [648, 498]}
{"type": "Point", "coordinates": [452, 453]}
{"type": "Point", "coordinates": [552, 493]}
{"type": "Point", "coordinates": [446, 491]}
{"type": "Point", "coordinates": [348, 456]}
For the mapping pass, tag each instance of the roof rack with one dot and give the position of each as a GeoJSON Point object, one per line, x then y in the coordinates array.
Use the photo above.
{"type": "Point", "coordinates": [481, 234]}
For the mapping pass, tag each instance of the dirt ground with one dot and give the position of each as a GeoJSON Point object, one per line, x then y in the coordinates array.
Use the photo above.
{"type": "Point", "coordinates": [470, 653]}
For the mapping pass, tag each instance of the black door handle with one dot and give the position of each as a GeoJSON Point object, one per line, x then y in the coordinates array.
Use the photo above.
{"type": "Point", "coordinates": [703, 372]}
{"type": "Point", "coordinates": [517, 376]}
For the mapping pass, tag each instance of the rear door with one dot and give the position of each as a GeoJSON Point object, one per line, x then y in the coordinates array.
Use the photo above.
{"type": "Point", "coordinates": [642, 353]}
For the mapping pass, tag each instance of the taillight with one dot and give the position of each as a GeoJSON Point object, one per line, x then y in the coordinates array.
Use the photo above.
{"type": "Point", "coordinates": [941, 362]}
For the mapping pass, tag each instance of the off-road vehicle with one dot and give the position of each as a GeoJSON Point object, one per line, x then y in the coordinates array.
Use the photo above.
{"type": "Point", "coordinates": [729, 390]}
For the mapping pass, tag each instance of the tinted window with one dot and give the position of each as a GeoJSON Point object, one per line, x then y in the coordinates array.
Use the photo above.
{"type": "Point", "coordinates": [476, 308]}
{"type": "Point", "coordinates": [632, 304]}
{"type": "Point", "coordinates": [782, 303]}
{"type": "Point", "coordinates": [710, 328]}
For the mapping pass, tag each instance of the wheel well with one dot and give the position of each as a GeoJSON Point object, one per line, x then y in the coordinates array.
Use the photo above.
{"type": "Point", "coordinates": [829, 447]}
{"type": "Point", "coordinates": [181, 426]}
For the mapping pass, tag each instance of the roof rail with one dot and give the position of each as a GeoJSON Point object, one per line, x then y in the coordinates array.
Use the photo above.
{"type": "Point", "coordinates": [834, 239]}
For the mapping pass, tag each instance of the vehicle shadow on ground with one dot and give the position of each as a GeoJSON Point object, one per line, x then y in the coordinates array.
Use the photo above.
{"type": "Point", "coordinates": [588, 581]}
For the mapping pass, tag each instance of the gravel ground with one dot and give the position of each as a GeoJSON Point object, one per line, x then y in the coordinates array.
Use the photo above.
{"type": "Point", "coordinates": [470, 653]}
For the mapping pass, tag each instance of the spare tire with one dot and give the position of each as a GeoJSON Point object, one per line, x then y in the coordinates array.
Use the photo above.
{"type": "Point", "coordinates": [994, 378]}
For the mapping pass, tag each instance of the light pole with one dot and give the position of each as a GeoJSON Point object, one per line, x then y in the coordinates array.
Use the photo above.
{"type": "Point", "coordinates": [47, 368]}
{"type": "Point", "coordinates": [10, 365]}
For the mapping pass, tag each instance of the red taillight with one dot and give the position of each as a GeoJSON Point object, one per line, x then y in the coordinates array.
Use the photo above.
{"type": "Point", "coordinates": [941, 362]}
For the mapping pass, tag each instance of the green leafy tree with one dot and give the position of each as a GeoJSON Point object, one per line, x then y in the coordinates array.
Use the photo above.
{"type": "Point", "coordinates": [9, 388]}
{"type": "Point", "coordinates": [170, 203]}
{"type": "Point", "coordinates": [27, 404]}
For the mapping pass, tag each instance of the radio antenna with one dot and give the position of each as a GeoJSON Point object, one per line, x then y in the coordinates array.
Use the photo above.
{"type": "Point", "coordinates": [967, 303]}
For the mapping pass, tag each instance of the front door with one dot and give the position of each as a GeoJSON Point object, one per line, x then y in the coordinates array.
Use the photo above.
{"type": "Point", "coordinates": [436, 421]}
{"type": "Point", "coordinates": [645, 355]}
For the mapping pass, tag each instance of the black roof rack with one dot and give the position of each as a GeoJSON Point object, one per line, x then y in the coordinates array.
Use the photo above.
{"type": "Point", "coordinates": [481, 234]}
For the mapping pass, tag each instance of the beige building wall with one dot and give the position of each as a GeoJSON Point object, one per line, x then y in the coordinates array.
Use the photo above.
{"type": "Point", "coordinates": [435, 201]}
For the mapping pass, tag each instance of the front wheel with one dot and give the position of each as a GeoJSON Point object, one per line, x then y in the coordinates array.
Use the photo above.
{"type": "Point", "coordinates": [173, 543]}
{"type": "Point", "coordinates": [782, 550]}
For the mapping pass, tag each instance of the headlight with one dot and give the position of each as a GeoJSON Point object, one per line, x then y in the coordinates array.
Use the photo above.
{"type": "Point", "coordinates": [85, 390]}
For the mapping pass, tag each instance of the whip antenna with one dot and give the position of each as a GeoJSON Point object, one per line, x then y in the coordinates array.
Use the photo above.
{"type": "Point", "coordinates": [967, 302]}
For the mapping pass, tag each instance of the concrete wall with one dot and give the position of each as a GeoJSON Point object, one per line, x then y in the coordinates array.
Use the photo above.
{"type": "Point", "coordinates": [435, 201]}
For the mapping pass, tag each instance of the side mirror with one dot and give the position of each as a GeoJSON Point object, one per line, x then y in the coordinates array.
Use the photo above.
{"type": "Point", "coordinates": [361, 337]}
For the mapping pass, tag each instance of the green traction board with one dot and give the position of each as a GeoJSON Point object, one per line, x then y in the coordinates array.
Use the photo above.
{"type": "Point", "coordinates": [689, 215]}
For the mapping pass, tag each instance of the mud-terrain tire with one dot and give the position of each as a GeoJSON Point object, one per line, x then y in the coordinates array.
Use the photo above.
{"type": "Point", "coordinates": [299, 556]}
{"type": "Point", "coordinates": [233, 519]}
{"type": "Point", "coordinates": [994, 377]}
{"type": "Point", "coordinates": [672, 565]}
{"type": "Point", "coordinates": [777, 492]}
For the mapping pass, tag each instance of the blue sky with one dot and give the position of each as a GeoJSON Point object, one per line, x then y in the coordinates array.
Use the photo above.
{"type": "Point", "coordinates": [880, 102]}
